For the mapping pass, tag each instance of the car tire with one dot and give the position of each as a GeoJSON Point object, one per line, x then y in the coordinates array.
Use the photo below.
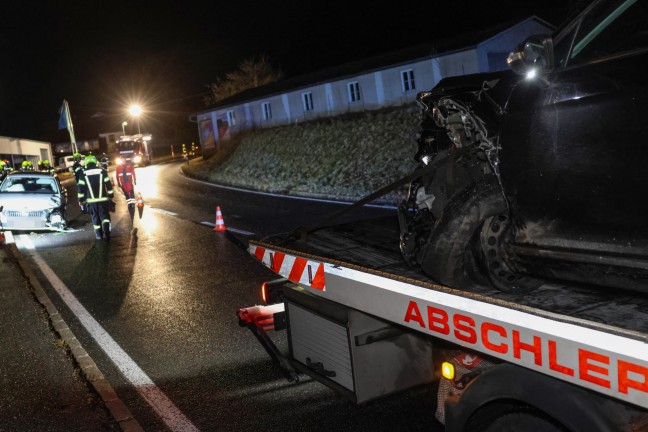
{"type": "Point", "coordinates": [452, 255]}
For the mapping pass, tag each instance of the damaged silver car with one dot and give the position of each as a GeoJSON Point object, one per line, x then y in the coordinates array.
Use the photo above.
{"type": "Point", "coordinates": [32, 201]}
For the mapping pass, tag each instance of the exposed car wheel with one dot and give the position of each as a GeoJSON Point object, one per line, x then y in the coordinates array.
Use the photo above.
{"type": "Point", "coordinates": [453, 254]}
{"type": "Point", "coordinates": [496, 231]}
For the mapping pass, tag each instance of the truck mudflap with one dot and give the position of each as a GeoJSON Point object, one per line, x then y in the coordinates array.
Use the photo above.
{"type": "Point", "coordinates": [600, 357]}
{"type": "Point", "coordinates": [262, 319]}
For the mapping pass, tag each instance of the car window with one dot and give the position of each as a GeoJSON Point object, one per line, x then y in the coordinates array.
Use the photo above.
{"type": "Point", "coordinates": [39, 185]}
{"type": "Point", "coordinates": [610, 28]}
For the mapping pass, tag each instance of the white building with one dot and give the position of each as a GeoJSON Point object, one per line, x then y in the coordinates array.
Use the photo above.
{"type": "Point", "coordinates": [17, 150]}
{"type": "Point", "coordinates": [389, 80]}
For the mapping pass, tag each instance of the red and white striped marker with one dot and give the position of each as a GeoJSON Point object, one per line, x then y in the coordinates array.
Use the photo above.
{"type": "Point", "coordinates": [220, 223]}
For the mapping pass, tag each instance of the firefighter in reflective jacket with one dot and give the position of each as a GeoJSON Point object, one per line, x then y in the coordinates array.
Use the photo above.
{"type": "Point", "coordinates": [77, 168]}
{"type": "Point", "coordinates": [126, 179]}
{"type": "Point", "coordinates": [95, 190]}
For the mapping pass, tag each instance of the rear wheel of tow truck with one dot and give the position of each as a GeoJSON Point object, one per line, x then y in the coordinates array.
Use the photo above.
{"type": "Point", "coordinates": [453, 254]}
{"type": "Point", "coordinates": [512, 418]}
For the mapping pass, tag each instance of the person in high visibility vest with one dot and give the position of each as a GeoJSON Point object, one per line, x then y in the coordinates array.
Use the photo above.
{"type": "Point", "coordinates": [126, 179]}
{"type": "Point", "coordinates": [77, 168]}
{"type": "Point", "coordinates": [27, 166]}
{"type": "Point", "coordinates": [4, 169]}
{"type": "Point", "coordinates": [95, 190]}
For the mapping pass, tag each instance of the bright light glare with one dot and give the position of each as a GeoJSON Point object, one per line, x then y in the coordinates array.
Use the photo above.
{"type": "Point", "coordinates": [532, 74]}
{"type": "Point", "coordinates": [137, 159]}
{"type": "Point", "coordinates": [135, 110]}
{"type": "Point", "coordinates": [447, 370]}
{"type": "Point", "coordinates": [119, 161]}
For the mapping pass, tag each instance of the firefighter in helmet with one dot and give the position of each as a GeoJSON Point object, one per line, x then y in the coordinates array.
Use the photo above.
{"type": "Point", "coordinates": [95, 190]}
{"type": "Point", "coordinates": [77, 168]}
{"type": "Point", "coordinates": [3, 169]}
{"type": "Point", "coordinates": [27, 166]}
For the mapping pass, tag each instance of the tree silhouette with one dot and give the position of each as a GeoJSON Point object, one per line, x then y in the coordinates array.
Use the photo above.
{"type": "Point", "coordinates": [252, 72]}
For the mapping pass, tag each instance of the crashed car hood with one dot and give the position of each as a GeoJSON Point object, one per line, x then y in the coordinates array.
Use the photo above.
{"type": "Point", "coordinates": [28, 202]}
{"type": "Point", "coordinates": [497, 85]}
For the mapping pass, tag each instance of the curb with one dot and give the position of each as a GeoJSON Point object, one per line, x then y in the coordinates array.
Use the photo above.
{"type": "Point", "coordinates": [118, 410]}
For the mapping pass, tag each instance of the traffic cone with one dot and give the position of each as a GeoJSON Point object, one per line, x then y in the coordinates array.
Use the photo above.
{"type": "Point", "coordinates": [220, 223]}
{"type": "Point", "coordinates": [2, 237]}
{"type": "Point", "coordinates": [140, 200]}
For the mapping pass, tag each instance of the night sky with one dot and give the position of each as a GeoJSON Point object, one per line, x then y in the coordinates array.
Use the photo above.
{"type": "Point", "coordinates": [103, 55]}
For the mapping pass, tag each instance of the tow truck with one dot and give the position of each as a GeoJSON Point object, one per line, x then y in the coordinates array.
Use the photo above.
{"type": "Point", "coordinates": [554, 356]}
{"type": "Point", "coordinates": [136, 147]}
{"type": "Point", "coordinates": [365, 324]}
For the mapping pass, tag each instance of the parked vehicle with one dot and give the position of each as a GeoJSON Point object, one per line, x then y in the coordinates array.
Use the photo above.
{"type": "Point", "coordinates": [66, 162]}
{"type": "Point", "coordinates": [32, 201]}
{"type": "Point", "coordinates": [545, 171]}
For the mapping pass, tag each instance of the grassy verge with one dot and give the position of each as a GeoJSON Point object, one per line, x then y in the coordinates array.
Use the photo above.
{"type": "Point", "coordinates": [342, 158]}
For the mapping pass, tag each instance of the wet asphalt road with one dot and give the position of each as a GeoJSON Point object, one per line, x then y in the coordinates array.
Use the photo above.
{"type": "Point", "coordinates": [166, 290]}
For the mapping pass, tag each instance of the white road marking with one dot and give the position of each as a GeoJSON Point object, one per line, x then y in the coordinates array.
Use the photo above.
{"type": "Point", "coordinates": [9, 237]}
{"type": "Point", "coordinates": [161, 404]}
{"type": "Point", "coordinates": [167, 212]}
{"type": "Point", "coordinates": [236, 230]}
{"type": "Point", "coordinates": [24, 242]}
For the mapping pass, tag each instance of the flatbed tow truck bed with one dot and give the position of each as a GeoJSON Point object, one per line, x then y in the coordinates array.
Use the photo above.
{"type": "Point", "coordinates": [372, 247]}
{"type": "Point", "coordinates": [588, 336]}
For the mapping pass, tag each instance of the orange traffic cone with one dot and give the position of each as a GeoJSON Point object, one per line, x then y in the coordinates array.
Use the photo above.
{"type": "Point", "coordinates": [220, 223]}
{"type": "Point", "coordinates": [140, 200]}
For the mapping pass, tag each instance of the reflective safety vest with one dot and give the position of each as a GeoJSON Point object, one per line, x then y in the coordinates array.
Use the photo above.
{"type": "Point", "coordinates": [94, 186]}
{"type": "Point", "coordinates": [78, 171]}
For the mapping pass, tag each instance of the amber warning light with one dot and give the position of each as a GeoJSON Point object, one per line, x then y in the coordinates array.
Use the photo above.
{"type": "Point", "coordinates": [448, 370]}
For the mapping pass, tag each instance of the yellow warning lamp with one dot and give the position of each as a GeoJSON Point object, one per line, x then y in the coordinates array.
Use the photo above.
{"type": "Point", "coordinates": [448, 370]}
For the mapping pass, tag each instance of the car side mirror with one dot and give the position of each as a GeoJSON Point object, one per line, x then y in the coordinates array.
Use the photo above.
{"type": "Point", "coordinates": [534, 56]}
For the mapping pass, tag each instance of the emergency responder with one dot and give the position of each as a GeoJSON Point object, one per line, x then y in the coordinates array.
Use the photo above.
{"type": "Point", "coordinates": [5, 168]}
{"type": "Point", "coordinates": [127, 180]}
{"type": "Point", "coordinates": [104, 161]}
{"type": "Point", "coordinates": [47, 167]}
{"type": "Point", "coordinates": [7, 165]}
{"type": "Point", "coordinates": [27, 166]}
{"type": "Point", "coordinates": [95, 190]}
{"type": "Point", "coordinates": [77, 168]}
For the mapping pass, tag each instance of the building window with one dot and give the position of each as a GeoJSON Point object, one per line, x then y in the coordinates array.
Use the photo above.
{"type": "Point", "coordinates": [267, 111]}
{"type": "Point", "coordinates": [354, 91]}
{"type": "Point", "coordinates": [407, 78]}
{"type": "Point", "coordinates": [307, 99]}
{"type": "Point", "coordinates": [231, 118]}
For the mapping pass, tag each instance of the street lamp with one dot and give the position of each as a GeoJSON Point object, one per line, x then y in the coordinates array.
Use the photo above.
{"type": "Point", "coordinates": [135, 111]}
{"type": "Point", "coordinates": [124, 123]}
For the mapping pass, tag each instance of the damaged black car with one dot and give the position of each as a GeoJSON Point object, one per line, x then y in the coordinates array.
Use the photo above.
{"type": "Point", "coordinates": [540, 172]}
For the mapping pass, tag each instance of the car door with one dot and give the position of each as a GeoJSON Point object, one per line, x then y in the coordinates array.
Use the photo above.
{"type": "Point", "coordinates": [574, 144]}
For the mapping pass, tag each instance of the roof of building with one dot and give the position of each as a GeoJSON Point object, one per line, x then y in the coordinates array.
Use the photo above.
{"type": "Point", "coordinates": [394, 58]}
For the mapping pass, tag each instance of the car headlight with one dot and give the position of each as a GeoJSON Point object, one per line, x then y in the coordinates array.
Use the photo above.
{"type": "Point", "coordinates": [137, 159]}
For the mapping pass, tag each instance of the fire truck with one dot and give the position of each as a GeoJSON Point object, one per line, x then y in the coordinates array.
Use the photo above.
{"type": "Point", "coordinates": [136, 147]}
